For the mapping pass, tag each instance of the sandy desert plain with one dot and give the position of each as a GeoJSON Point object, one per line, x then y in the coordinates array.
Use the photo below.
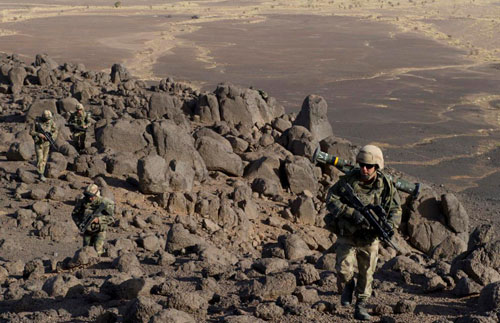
{"type": "Point", "coordinates": [420, 78]}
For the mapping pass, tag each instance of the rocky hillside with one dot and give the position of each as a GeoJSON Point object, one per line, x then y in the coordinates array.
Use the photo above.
{"type": "Point", "coordinates": [219, 212]}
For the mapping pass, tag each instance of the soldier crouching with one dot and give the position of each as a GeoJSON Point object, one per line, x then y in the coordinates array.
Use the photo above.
{"type": "Point", "coordinates": [357, 241]}
{"type": "Point", "coordinates": [92, 215]}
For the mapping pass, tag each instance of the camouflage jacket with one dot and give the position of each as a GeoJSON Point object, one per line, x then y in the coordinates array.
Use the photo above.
{"type": "Point", "coordinates": [48, 126]}
{"type": "Point", "coordinates": [85, 208]}
{"type": "Point", "coordinates": [380, 192]}
{"type": "Point", "coordinates": [79, 121]}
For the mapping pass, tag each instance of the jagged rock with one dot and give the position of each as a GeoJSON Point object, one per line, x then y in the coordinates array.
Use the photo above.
{"type": "Point", "coordinates": [37, 194]}
{"type": "Point", "coordinates": [179, 239]}
{"type": "Point", "coordinates": [306, 295]}
{"type": "Point", "coordinates": [163, 105]}
{"type": "Point", "coordinates": [141, 309]}
{"type": "Point", "coordinates": [190, 302]}
{"type": "Point", "coordinates": [269, 311]}
{"type": "Point", "coordinates": [455, 214]}
{"type": "Point", "coordinates": [45, 60]}
{"type": "Point", "coordinates": [490, 297]}
{"type": "Point", "coordinates": [245, 106]}
{"type": "Point", "coordinates": [299, 141]}
{"type": "Point", "coordinates": [123, 135]}
{"type": "Point", "coordinates": [173, 142]}
{"type": "Point", "coordinates": [219, 156]}
{"type": "Point", "coordinates": [326, 262]}
{"type": "Point", "coordinates": [38, 106]}
{"type": "Point", "coordinates": [56, 165]}
{"type": "Point", "coordinates": [150, 243]}
{"type": "Point", "coordinates": [482, 234]}
{"type": "Point", "coordinates": [238, 145]}
{"type": "Point", "coordinates": [207, 205]}
{"type": "Point", "coordinates": [295, 248]}
{"type": "Point", "coordinates": [265, 167]}
{"type": "Point", "coordinates": [433, 283]}
{"type": "Point", "coordinates": [307, 275]}
{"type": "Point", "coordinates": [303, 209]}
{"type": "Point", "coordinates": [272, 286]}
{"type": "Point", "coordinates": [84, 256]}
{"type": "Point", "coordinates": [119, 73]}
{"type": "Point", "coordinates": [268, 266]}
{"type": "Point", "coordinates": [313, 116]}
{"type": "Point", "coordinates": [122, 164]}
{"type": "Point", "coordinates": [20, 151]}
{"type": "Point", "coordinates": [129, 264]}
{"type": "Point", "coordinates": [300, 175]}
{"type": "Point", "coordinates": [466, 286]}
{"type": "Point", "coordinates": [172, 315]}
{"type": "Point", "coordinates": [207, 107]}
{"type": "Point", "coordinates": [34, 269]}
{"type": "Point", "coordinates": [152, 173]}
{"type": "Point", "coordinates": [425, 226]}
{"type": "Point", "coordinates": [63, 285]}
{"type": "Point", "coordinates": [57, 193]}
{"type": "Point", "coordinates": [25, 217]}
{"type": "Point", "coordinates": [4, 274]}
{"type": "Point", "coordinates": [45, 76]}
{"type": "Point", "coordinates": [266, 187]}
{"type": "Point", "coordinates": [481, 264]}
{"type": "Point", "coordinates": [281, 124]}
{"type": "Point", "coordinates": [17, 75]}
{"type": "Point", "coordinates": [67, 105]}
{"type": "Point", "coordinates": [84, 91]}
{"type": "Point", "coordinates": [405, 306]}
{"type": "Point", "coordinates": [449, 248]}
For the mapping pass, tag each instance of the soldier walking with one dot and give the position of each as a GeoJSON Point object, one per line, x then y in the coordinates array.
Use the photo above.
{"type": "Point", "coordinates": [43, 127]}
{"type": "Point", "coordinates": [99, 211]}
{"type": "Point", "coordinates": [357, 241]}
{"type": "Point", "coordinates": [79, 121]}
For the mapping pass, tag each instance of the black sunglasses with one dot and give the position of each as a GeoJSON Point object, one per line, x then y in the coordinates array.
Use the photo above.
{"type": "Point", "coordinates": [367, 166]}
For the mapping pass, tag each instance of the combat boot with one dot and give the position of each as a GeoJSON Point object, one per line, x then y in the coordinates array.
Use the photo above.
{"type": "Point", "coordinates": [42, 178]}
{"type": "Point", "coordinates": [360, 312]}
{"type": "Point", "coordinates": [346, 297]}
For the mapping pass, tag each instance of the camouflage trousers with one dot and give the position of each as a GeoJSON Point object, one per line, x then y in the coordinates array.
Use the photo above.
{"type": "Point", "coordinates": [79, 140]}
{"type": "Point", "coordinates": [42, 155]}
{"type": "Point", "coordinates": [348, 252]}
{"type": "Point", "coordinates": [96, 240]}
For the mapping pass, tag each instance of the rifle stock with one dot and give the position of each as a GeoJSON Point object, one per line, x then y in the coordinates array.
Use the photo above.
{"type": "Point", "coordinates": [373, 214]}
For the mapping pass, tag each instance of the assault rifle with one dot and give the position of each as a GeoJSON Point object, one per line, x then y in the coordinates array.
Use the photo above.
{"type": "Point", "coordinates": [345, 167]}
{"type": "Point", "coordinates": [75, 127]}
{"type": "Point", "coordinates": [89, 217]}
{"type": "Point", "coordinates": [47, 135]}
{"type": "Point", "coordinates": [374, 215]}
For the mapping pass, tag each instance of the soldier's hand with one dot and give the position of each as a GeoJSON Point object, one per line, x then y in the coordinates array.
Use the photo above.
{"type": "Point", "coordinates": [42, 136]}
{"type": "Point", "coordinates": [96, 220]}
{"type": "Point", "coordinates": [357, 217]}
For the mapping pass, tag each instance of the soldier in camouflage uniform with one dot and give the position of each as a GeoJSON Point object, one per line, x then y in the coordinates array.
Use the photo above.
{"type": "Point", "coordinates": [93, 204]}
{"type": "Point", "coordinates": [78, 122]}
{"type": "Point", "coordinates": [357, 241]}
{"type": "Point", "coordinates": [42, 144]}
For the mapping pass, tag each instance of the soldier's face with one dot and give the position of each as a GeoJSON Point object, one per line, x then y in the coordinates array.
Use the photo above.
{"type": "Point", "coordinates": [80, 112]}
{"type": "Point", "coordinates": [367, 172]}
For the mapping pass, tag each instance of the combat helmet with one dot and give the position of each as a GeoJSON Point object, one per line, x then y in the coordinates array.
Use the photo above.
{"type": "Point", "coordinates": [372, 155]}
{"type": "Point", "coordinates": [47, 115]}
{"type": "Point", "coordinates": [79, 107]}
{"type": "Point", "coordinates": [92, 190]}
